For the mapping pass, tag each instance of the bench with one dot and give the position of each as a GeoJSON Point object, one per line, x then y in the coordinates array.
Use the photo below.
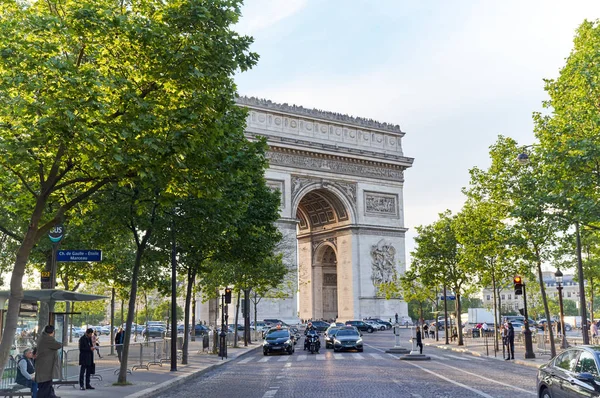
{"type": "Point", "coordinates": [60, 383]}
{"type": "Point", "coordinates": [15, 390]}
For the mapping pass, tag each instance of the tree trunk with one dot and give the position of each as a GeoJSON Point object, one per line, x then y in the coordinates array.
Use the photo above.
{"type": "Point", "coordinates": [545, 301]}
{"type": "Point", "coordinates": [458, 328]}
{"type": "Point", "coordinates": [194, 312]}
{"type": "Point", "coordinates": [247, 339]}
{"type": "Point", "coordinates": [122, 379]}
{"type": "Point", "coordinates": [186, 321]}
{"type": "Point", "coordinates": [237, 314]}
{"type": "Point", "coordinates": [16, 285]}
{"type": "Point", "coordinates": [496, 314]}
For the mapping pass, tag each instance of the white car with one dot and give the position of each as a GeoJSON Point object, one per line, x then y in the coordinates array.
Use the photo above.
{"type": "Point", "coordinates": [375, 325]}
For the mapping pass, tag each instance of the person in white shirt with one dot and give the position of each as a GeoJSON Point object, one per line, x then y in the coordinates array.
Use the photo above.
{"type": "Point", "coordinates": [26, 371]}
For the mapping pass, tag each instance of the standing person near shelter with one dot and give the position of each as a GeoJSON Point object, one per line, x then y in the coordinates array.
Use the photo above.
{"type": "Point", "coordinates": [510, 341]}
{"type": "Point", "coordinates": [594, 330]}
{"type": "Point", "coordinates": [47, 363]}
{"type": "Point", "coordinates": [119, 339]}
{"type": "Point", "coordinates": [26, 371]}
{"type": "Point", "coordinates": [86, 359]}
{"type": "Point", "coordinates": [419, 340]}
{"type": "Point", "coordinates": [425, 330]}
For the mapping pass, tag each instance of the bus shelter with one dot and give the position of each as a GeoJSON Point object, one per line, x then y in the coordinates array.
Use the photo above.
{"type": "Point", "coordinates": [26, 333]}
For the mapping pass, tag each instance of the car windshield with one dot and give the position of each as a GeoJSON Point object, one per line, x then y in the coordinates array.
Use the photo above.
{"type": "Point", "coordinates": [346, 333]}
{"type": "Point", "coordinates": [277, 334]}
{"type": "Point", "coordinates": [333, 332]}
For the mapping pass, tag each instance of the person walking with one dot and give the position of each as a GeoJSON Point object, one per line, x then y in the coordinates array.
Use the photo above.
{"type": "Point", "coordinates": [419, 340]}
{"type": "Point", "coordinates": [47, 363]}
{"type": "Point", "coordinates": [510, 341]}
{"type": "Point", "coordinates": [86, 359]}
{"type": "Point", "coordinates": [119, 339]}
{"type": "Point", "coordinates": [26, 371]}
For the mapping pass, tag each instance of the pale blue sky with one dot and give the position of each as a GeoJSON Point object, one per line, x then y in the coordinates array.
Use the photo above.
{"type": "Point", "coordinates": [452, 74]}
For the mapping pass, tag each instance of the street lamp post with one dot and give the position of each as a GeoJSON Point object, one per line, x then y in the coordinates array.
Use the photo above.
{"type": "Point", "coordinates": [558, 276]}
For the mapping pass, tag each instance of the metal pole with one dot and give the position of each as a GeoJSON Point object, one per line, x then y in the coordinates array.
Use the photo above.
{"type": "Point", "coordinates": [528, 342]}
{"type": "Point", "coordinates": [563, 343]}
{"type": "Point", "coordinates": [582, 303]}
{"type": "Point", "coordinates": [173, 300]}
{"type": "Point", "coordinates": [445, 315]}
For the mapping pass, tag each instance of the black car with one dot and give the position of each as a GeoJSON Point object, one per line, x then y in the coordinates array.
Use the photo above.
{"type": "Point", "coordinates": [360, 325]}
{"type": "Point", "coordinates": [321, 326]}
{"type": "Point", "coordinates": [329, 335]}
{"type": "Point", "coordinates": [278, 340]}
{"type": "Point", "coordinates": [572, 373]}
{"type": "Point", "coordinates": [154, 331]}
{"type": "Point", "coordinates": [347, 338]}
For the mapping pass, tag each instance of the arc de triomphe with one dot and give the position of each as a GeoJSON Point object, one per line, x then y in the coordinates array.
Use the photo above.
{"type": "Point", "coordinates": [341, 181]}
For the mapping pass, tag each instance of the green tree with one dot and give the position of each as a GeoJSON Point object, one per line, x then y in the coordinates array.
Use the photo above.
{"type": "Point", "coordinates": [163, 311]}
{"type": "Point", "coordinates": [110, 91]}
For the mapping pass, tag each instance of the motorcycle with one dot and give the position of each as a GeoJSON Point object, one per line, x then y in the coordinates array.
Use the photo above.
{"type": "Point", "coordinates": [312, 340]}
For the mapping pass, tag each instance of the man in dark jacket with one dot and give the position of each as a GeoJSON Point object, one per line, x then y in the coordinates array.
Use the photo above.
{"type": "Point", "coordinates": [26, 371]}
{"type": "Point", "coordinates": [47, 364]}
{"type": "Point", "coordinates": [119, 339]}
{"type": "Point", "coordinates": [510, 341]}
{"type": "Point", "coordinates": [86, 359]}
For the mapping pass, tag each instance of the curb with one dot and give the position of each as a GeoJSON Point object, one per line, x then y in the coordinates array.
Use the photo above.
{"type": "Point", "coordinates": [162, 387]}
{"type": "Point", "coordinates": [479, 354]}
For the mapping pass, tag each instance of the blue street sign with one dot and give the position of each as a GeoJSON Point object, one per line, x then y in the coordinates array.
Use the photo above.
{"type": "Point", "coordinates": [449, 297]}
{"type": "Point", "coordinates": [78, 255]}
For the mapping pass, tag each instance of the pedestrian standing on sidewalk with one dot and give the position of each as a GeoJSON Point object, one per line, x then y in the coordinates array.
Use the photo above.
{"type": "Point", "coordinates": [86, 359]}
{"type": "Point", "coordinates": [510, 341]}
{"type": "Point", "coordinates": [47, 365]}
{"type": "Point", "coordinates": [419, 340]}
{"type": "Point", "coordinates": [503, 331]}
{"type": "Point", "coordinates": [425, 330]}
{"type": "Point", "coordinates": [119, 339]}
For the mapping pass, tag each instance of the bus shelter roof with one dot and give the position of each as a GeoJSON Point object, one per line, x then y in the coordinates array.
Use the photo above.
{"type": "Point", "coordinates": [46, 295]}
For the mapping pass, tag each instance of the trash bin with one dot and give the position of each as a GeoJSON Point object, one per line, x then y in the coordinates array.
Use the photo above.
{"type": "Point", "coordinates": [205, 342]}
{"type": "Point", "coordinates": [476, 333]}
{"type": "Point", "coordinates": [180, 342]}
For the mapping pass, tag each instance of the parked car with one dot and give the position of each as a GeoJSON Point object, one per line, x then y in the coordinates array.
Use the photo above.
{"type": "Point", "coordinates": [347, 338]}
{"type": "Point", "coordinates": [380, 321]}
{"type": "Point", "coordinates": [361, 325]}
{"type": "Point", "coordinates": [154, 331]}
{"type": "Point", "coordinates": [257, 325]}
{"type": "Point", "coordinates": [572, 373]}
{"type": "Point", "coordinates": [376, 325]}
{"type": "Point", "coordinates": [278, 340]}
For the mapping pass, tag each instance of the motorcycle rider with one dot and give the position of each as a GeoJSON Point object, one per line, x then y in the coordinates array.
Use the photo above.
{"type": "Point", "coordinates": [310, 330]}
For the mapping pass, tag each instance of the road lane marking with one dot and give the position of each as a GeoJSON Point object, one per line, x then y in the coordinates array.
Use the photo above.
{"type": "Point", "coordinates": [394, 356]}
{"type": "Point", "coordinates": [246, 360]}
{"type": "Point", "coordinates": [338, 356]}
{"type": "Point", "coordinates": [301, 358]}
{"type": "Point", "coordinates": [456, 357]}
{"type": "Point", "coordinates": [476, 391]}
{"type": "Point", "coordinates": [265, 359]}
{"type": "Point", "coordinates": [358, 356]}
{"type": "Point", "coordinates": [488, 379]}
{"type": "Point", "coordinates": [287, 365]}
{"type": "Point", "coordinates": [377, 356]}
{"type": "Point", "coordinates": [283, 359]}
{"type": "Point", "coordinates": [321, 357]}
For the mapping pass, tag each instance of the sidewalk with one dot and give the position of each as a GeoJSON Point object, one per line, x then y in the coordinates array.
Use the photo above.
{"type": "Point", "coordinates": [148, 383]}
{"type": "Point", "coordinates": [477, 347]}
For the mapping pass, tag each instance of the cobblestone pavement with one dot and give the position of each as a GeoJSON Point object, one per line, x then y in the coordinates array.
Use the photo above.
{"type": "Point", "coordinates": [372, 373]}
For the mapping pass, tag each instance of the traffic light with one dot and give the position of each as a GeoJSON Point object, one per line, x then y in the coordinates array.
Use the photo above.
{"type": "Point", "coordinates": [227, 295]}
{"type": "Point", "coordinates": [518, 285]}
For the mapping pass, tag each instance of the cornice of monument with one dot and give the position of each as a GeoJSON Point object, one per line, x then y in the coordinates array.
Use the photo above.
{"type": "Point", "coordinates": [264, 104]}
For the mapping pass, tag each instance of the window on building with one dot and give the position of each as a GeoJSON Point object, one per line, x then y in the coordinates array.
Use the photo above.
{"type": "Point", "coordinates": [488, 297]}
{"type": "Point", "coordinates": [510, 296]}
{"type": "Point", "coordinates": [502, 297]}
{"type": "Point", "coordinates": [568, 294]}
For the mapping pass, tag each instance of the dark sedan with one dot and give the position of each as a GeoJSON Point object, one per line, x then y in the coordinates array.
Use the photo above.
{"type": "Point", "coordinates": [154, 331]}
{"type": "Point", "coordinates": [347, 338]}
{"type": "Point", "coordinates": [278, 340]}
{"type": "Point", "coordinates": [321, 326]}
{"type": "Point", "coordinates": [572, 373]}
{"type": "Point", "coordinates": [329, 336]}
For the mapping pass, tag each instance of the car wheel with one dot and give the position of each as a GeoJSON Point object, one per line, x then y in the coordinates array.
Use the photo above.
{"type": "Point", "coordinates": [545, 393]}
{"type": "Point", "coordinates": [265, 353]}
{"type": "Point", "coordinates": [382, 328]}
{"type": "Point", "coordinates": [335, 350]}
{"type": "Point", "coordinates": [370, 330]}
{"type": "Point", "coordinates": [360, 350]}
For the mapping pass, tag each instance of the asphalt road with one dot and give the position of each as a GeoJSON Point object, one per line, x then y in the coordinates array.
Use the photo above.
{"type": "Point", "coordinates": [372, 374]}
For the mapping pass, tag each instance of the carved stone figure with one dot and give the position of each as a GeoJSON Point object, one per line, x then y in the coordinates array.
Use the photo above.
{"type": "Point", "coordinates": [383, 265]}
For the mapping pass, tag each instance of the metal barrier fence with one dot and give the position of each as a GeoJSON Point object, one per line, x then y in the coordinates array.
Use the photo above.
{"type": "Point", "coordinates": [10, 372]}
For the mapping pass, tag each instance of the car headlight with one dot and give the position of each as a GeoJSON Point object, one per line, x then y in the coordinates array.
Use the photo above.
{"type": "Point", "coordinates": [336, 341]}
{"type": "Point", "coordinates": [265, 342]}
{"type": "Point", "coordinates": [359, 341]}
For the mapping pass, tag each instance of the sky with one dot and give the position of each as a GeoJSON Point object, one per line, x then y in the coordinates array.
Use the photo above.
{"type": "Point", "coordinates": [453, 74]}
